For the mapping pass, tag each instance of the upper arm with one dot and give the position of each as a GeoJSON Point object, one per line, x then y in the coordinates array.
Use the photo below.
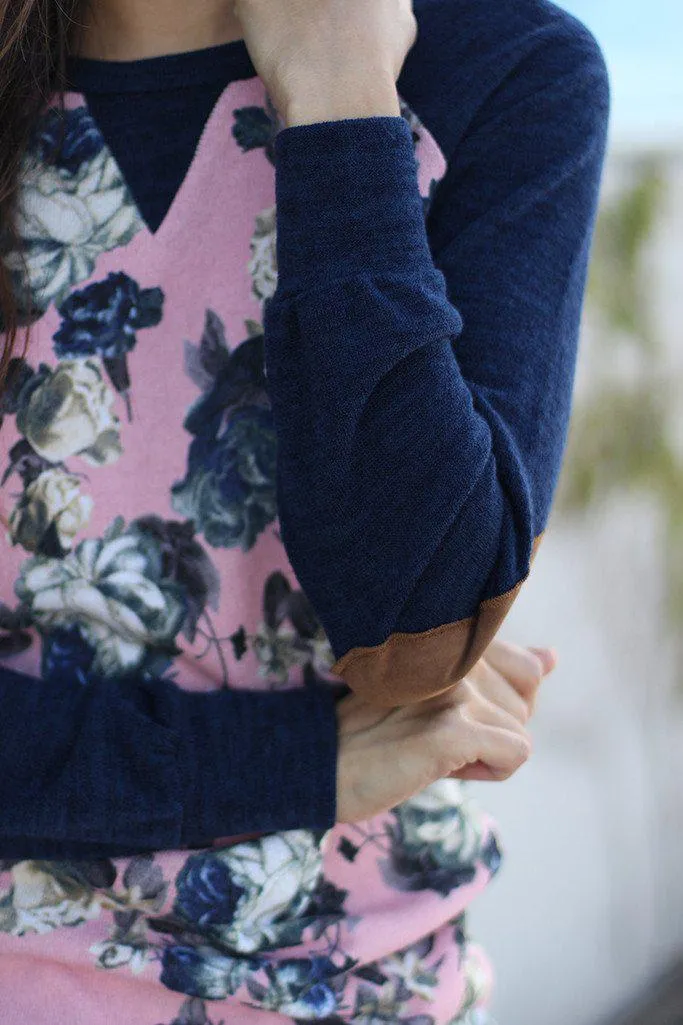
{"type": "Point", "coordinates": [511, 227]}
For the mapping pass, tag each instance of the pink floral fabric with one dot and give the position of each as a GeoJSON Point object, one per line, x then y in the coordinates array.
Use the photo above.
{"type": "Point", "coordinates": [138, 498]}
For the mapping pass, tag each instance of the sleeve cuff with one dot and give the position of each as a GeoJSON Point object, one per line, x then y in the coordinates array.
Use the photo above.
{"type": "Point", "coordinates": [256, 761]}
{"type": "Point", "coordinates": [348, 201]}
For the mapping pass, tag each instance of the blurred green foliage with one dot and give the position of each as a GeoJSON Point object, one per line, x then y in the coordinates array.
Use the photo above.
{"type": "Point", "coordinates": [620, 437]}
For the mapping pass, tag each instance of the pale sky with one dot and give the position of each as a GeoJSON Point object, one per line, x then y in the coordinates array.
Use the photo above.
{"type": "Point", "coordinates": [643, 44]}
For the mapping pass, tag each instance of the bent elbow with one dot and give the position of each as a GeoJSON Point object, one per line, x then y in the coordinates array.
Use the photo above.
{"type": "Point", "coordinates": [411, 667]}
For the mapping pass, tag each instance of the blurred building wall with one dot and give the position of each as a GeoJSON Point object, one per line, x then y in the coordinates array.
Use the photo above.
{"type": "Point", "coordinates": [588, 905]}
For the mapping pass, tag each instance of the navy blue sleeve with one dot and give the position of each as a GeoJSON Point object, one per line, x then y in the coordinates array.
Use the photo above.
{"type": "Point", "coordinates": [421, 372]}
{"type": "Point", "coordinates": [118, 767]}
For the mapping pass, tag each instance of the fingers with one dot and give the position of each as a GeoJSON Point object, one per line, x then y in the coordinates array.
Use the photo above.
{"type": "Point", "coordinates": [501, 751]}
{"type": "Point", "coordinates": [548, 656]}
{"type": "Point", "coordinates": [497, 689]}
{"type": "Point", "coordinates": [523, 668]}
{"type": "Point", "coordinates": [475, 773]}
{"type": "Point", "coordinates": [491, 713]}
{"type": "Point", "coordinates": [503, 698]}
{"type": "Point", "coordinates": [480, 732]}
{"type": "Point", "coordinates": [520, 666]}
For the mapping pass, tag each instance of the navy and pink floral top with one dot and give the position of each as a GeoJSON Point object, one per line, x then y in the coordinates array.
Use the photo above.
{"type": "Point", "coordinates": [289, 422]}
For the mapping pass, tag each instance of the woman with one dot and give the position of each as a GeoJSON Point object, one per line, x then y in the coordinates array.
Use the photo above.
{"type": "Point", "coordinates": [301, 285]}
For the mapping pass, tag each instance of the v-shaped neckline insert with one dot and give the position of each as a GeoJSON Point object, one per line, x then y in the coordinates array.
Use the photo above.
{"type": "Point", "coordinates": [189, 176]}
{"type": "Point", "coordinates": [96, 83]}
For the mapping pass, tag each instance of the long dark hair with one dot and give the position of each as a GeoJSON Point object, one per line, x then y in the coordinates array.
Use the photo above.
{"type": "Point", "coordinates": [35, 36]}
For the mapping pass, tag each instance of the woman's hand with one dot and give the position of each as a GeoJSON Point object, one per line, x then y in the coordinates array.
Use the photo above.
{"type": "Point", "coordinates": [506, 676]}
{"type": "Point", "coordinates": [477, 730]}
{"type": "Point", "coordinates": [325, 60]}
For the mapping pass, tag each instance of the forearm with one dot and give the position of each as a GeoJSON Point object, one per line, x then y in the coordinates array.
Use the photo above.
{"type": "Point", "coordinates": [117, 767]}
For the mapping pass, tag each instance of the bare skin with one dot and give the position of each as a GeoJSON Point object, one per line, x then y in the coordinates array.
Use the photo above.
{"type": "Point", "coordinates": [300, 48]}
{"type": "Point", "coordinates": [324, 60]}
{"type": "Point", "coordinates": [475, 731]}
{"type": "Point", "coordinates": [122, 30]}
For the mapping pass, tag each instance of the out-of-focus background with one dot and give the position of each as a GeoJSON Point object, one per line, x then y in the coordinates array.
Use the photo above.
{"type": "Point", "coordinates": [585, 920]}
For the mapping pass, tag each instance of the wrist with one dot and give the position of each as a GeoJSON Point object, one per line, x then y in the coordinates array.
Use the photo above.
{"type": "Point", "coordinates": [337, 103]}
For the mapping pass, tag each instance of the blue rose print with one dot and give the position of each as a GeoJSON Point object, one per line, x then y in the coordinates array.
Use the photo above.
{"type": "Point", "coordinates": [256, 128]}
{"type": "Point", "coordinates": [103, 319]}
{"type": "Point", "coordinates": [252, 128]}
{"type": "Point", "coordinates": [67, 655]}
{"type": "Point", "coordinates": [223, 915]}
{"type": "Point", "coordinates": [290, 634]}
{"type": "Point", "coordinates": [308, 989]}
{"type": "Point", "coordinates": [185, 562]}
{"type": "Point", "coordinates": [203, 971]}
{"type": "Point", "coordinates": [491, 855]}
{"type": "Point", "coordinates": [420, 868]}
{"type": "Point", "coordinates": [229, 487]}
{"type": "Point", "coordinates": [67, 141]}
{"type": "Point", "coordinates": [185, 970]}
{"type": "Point", "coordinates": [206, 893]}
{"type": "Point", "coordinates": [436, 840]}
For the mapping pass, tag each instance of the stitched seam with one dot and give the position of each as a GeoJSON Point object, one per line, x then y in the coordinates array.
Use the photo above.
{"type": "Point", "coordinates": [402, 638]}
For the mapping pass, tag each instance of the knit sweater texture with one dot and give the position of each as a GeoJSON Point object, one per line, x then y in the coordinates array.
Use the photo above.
{"type": "Point", "coordinates": [290, 425]}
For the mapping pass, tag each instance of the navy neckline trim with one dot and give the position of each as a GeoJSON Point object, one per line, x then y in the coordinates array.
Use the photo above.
{"type": "Point", "coordinates": [223, 63]}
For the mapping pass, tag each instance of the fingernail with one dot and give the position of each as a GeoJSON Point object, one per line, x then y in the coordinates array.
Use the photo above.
{"type": "Point", "coordinates": [548, 657]}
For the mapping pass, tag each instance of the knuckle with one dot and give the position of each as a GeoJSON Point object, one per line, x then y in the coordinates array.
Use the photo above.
{"type": "Point", "coordinates": [524, 713]}
{"type": "Point", "coordinates": [450, 742]}
{"type": "Point", "coordinates": [453, 721]}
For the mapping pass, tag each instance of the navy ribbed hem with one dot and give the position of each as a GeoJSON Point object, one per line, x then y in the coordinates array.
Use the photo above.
{"type": "Point", "coordinates": [348, 201]}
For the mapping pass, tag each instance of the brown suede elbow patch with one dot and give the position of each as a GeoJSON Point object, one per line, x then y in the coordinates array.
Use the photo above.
{"type": "Point", "coordinates": [410, 667]}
